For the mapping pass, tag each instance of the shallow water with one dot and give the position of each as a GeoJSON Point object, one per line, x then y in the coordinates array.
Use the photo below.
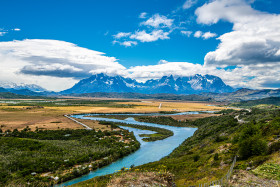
{"type": "Point", "coordinates": [148, 151]}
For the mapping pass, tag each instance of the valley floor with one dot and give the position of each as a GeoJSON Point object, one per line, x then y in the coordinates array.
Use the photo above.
{"type": "Point", "coordinates": [202, 158]}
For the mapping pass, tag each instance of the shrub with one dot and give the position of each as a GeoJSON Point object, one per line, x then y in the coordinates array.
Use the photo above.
{"type": "Point", "coordinates": [216, 157]}
{"type": "Point", "coordinates": [252, 147]}
{"type": "Point", "coordinates": [274, 147]}
{"type": "Point", "coordinates": [196, 158]}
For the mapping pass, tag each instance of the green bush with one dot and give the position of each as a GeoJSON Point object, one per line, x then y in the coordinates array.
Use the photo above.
{"type": "Point", "coordinates": [196, 158]}
{"type": "Point", "coordinates": [274, 147]}
{"type": "Point", "coordinates": [216, 157]}
{"type": "Point", "coordinates": [252, 146]}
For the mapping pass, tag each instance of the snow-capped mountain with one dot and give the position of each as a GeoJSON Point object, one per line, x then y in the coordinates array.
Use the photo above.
{"type": "Point", "coordinates": [22, 86]}
{"type": "Point", "coordinates": [167, 84]}
{"type": "Point", "coordinates": [103, 83]}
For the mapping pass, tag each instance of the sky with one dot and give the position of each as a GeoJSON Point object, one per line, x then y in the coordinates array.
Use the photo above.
{"type": "Point", "coordinates": [56, 43]}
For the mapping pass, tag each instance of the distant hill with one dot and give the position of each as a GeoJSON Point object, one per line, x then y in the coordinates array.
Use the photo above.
{"type": "Point", "coordinates": [243, 95]}
{"type": "Point", "coordinates": [22, 92]}
{"type": "Point", "coordinates": [167, 84]}
{"type": "Point", "coordinates": [267, 101]}
{"type": "Point", "coordinates": [9, 95]}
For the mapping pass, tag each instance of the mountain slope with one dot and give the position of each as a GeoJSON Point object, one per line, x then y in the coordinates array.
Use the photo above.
{"type": "Point", "coordinates": [180, 85]}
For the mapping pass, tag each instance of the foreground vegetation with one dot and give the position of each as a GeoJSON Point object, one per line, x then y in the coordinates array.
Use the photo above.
{"type": "Point", "coordinates": [45, 157]}
{"type": "Point", "coordinates": [254, 136]}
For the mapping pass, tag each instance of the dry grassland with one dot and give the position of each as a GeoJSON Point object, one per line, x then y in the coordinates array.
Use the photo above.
{"type": "Point", "coordinates": [19, 117]}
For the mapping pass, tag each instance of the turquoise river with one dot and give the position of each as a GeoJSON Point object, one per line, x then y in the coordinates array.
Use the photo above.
{"type": "Point", "coordinates": [148, 151]}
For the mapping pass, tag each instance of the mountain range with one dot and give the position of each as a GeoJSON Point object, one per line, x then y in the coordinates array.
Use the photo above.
{"type": "Point", "coordinates": [195, 88]}
{"type": "Point", "coordinates": [167, 84]}
{"type": "Point", "coordinates": [22, 86]}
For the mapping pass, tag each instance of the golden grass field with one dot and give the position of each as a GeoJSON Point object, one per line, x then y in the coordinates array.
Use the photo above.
{"type": "Point", "coordinates": [12, 117]}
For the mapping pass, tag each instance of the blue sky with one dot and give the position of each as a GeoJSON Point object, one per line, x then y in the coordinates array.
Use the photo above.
{"type": "Point", "coordinates": [156, 36]}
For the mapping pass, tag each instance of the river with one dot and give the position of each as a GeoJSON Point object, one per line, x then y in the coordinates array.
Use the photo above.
{"type": "Point", "coordinates": [148, 151]}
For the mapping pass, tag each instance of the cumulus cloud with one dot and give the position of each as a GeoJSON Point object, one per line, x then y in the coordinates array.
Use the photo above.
{"type": "Point", "coordinates": [205, 36]}
{"type": "Point", "coordinates": [255, 38]}
{"type": "Point", "coordinates": [40, 59]}
{"type": "Point", "coordinates": [163, 68]}
{"type": "Point", "coordinates": [208, 35]}
{"type": "Point", "coordinates": [155, 35]}
{"type": "Point", "coordinates": [158, 21]}
{"type": "Point", "coordinates": [58, 65]}
{"type": "Point", "coordinates": [252, 47]}
{"type": "Point", "coordinates": [17, 29]}
{"type": "Point", "coordinates": [228, 10]}
{"type": "Point", "coordinates": [186, 33]}
{"type": "Point", "coordinates": [158, 27]}
{"type": "Point", "coordinates": [197, 34]}
{"type": "Point", "coordinates": [128, 43]}
{"type": "Point", "coordinates": [253, 76]}
{"type": "Point", "coordinates": [122, 35]}
{"type": "Point", "coordinates": [189, 3]}
{"type": "Point", "coordinates": [2, 33]}
{"type": "Point", "coordinates": [143, 15]}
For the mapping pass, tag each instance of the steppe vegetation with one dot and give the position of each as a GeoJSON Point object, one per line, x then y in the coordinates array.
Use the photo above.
{"type": "Point", "coordinates": [45, 157]}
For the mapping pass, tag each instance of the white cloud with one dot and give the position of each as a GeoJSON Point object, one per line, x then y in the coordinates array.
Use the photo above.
{"type": "Point", "coordinates": [186, 33]}
{"type": "Point", "coordinates": [17, 29]}
{"type": "Point", "coordinates": [143, 15]}
{"type": "Point", "coordinates": [128, 43]}
{"type": "Point", "coordinates": [205, 36]}
{"type": "Point", "coordinates": [143, 73]}
{"type": "Point", "coordinates": [229, 10]}
{"type": "Point", "coordinates": [3, 33]}
{"type": "Point", "coordinates": [155, 35]}
{"type": "Point", "coordinates": [122, 35]}
{"type": "Point", "coordinates": [197, 34]}
{"type": "Point", "coordinates": [41, 61]}
{"type": "Point", "coordinates": [189, 3]}
{"type": "Point", "coordinates": [158, 21]}
{"type": "Point", "coordinates": [57, 65]}
{"type": "Point", "coordinates": [158, 27]}
{"type": "Point", "coordinates": [253, 76]}
{"type": "Point", "coordinates": [162, 62]}
{"type": "Point", "coordinates": [208, 35]}
{"type": "Point", "coordinates": [255, 38]}
{"type": "Point", "coordinates": [252, 47]}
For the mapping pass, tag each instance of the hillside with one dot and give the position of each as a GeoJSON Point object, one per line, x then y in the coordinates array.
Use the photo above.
{"type": "Point", "coordinates": [265, 101]}
{"type": "Point", "coordinates": [243, 95]}
{"type": "Point", "coordinates": [208, 154]}
{"type": "Point", "coordinates": [8, 95]}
